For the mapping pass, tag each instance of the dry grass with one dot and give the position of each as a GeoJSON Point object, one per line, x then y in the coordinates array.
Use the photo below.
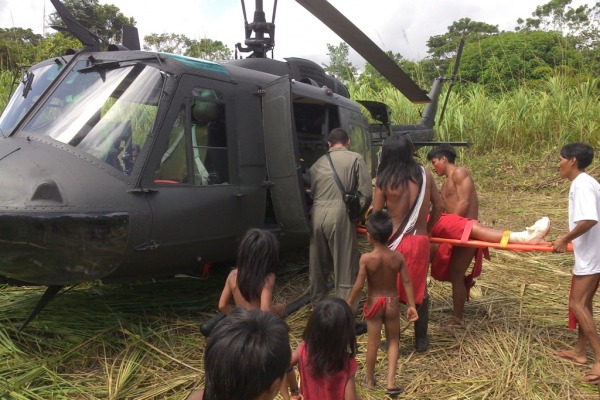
{"type": "Point", "coordinates": [141, 341]}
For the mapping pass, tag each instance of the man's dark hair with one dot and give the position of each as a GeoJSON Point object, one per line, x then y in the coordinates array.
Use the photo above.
{"type": "Point", "coordinates": [380, 226]}
{"type": "Point", "coordinates": [257, 257]}
{"type": "Point", "coordinates": [398, 165]}
{"type": "Point", "coordinates": [338, 136]}
{"type": "Point", "coordinates": [583, 153]}
{"type": "Point", "coordinates": [329, 336]}
{"type": "Point", "coordinates": [245, 353]}
{"type": "Point", "coordinates": [443, 150]}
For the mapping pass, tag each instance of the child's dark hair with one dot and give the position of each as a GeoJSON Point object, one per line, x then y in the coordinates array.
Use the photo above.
{"type": "Point", "coordinates": [583, 153]}
{"type": "Point", "coordinates": [443, 150]}
{"type": "Point", "coordinates": [380, 226]}
{"type": "Point", "coordinates": [245, 353]}
{"type": "Point", "coordinates": [257, 257]}
{"type": "Point", "coordinates": [329, 336]}
{"type": "Point", "coordinates": [398, 165]}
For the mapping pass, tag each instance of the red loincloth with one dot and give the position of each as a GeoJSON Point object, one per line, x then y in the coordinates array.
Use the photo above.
{"type": "Point", "coordinates": [415, 249]}
{"type": "Point", "coordinates": [452, 226]}
{"type": "Point", "coordinates": [440, 265]}
{"type": "Point", "coordinates": [380, 303]}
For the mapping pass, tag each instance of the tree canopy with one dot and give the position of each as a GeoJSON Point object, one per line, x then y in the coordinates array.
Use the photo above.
{"type": "Point", "coordinates": [339, 64]}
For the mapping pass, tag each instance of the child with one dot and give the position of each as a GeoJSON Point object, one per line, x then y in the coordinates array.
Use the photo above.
{"type": "Point", "coordinates": [251, 283]}
{"type": "Point", "coordinates": [584, 210]}
{"type": "Point", "coordinates": [246, 357]}
{"type": "Point", "coordinates": [380, 268]}
{"type": "Point", "coordinates": [325, 358]}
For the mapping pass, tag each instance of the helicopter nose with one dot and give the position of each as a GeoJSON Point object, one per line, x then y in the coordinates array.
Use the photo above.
{"type": "Point", "coordinates": [52, 230]}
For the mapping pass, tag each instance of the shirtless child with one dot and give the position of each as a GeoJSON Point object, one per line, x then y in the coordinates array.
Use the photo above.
{"type": "Point", "coordinates": [251, 284]}
{"type": "Point", "coordinates": [460, 218]}
{"type": "Point", "coordinates": [380, 268]}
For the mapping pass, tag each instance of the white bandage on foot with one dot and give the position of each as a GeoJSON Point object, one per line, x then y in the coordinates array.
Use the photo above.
{"type": "Point", "coordinates": [532, 234]}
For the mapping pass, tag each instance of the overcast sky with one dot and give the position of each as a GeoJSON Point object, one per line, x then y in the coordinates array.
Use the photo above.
{"type": "Point", "coordinates": [402, 26]}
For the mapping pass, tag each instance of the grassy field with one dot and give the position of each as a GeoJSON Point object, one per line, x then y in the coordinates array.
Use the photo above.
{"type": "Point", "coordinates": [142, 341]}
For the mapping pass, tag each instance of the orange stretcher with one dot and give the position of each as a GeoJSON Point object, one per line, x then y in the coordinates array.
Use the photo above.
{"type": "Point", "coordinates": [543, 246]}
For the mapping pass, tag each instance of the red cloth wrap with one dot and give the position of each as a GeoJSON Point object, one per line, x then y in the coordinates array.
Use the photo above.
{"type": "Point", "coordinates": [380, 303]}
{"type": "Point", "coordinates": [572, 318]}
{"type": "Point", "coordinates": [415, 249]}
{"type": "Point", "coordinates": [452, 226]}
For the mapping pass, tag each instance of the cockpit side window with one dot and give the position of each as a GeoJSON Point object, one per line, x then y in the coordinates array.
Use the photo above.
{"type": "Point", "coordinates": [198, 135]}
{"type": "Point", "coordinates": [173, 164]}
{"type": "Point", "coordinates": [209, 138]}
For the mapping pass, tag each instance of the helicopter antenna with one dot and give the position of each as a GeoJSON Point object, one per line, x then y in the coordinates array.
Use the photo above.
{"type": "Point", "coordinates": [452, 78]}
{"type": "Point", "coordinates": [264, 32]}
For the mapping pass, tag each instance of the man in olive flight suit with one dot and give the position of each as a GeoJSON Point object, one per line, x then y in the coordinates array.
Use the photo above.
{"type": "Point", "coordinates": [333, 240]}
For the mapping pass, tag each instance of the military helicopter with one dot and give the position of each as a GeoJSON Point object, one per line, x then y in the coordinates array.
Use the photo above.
{"type": "Point", "coordinates": [126, 165]}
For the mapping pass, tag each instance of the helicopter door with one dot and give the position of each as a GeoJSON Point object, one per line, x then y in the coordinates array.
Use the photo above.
{"type": "Point", "coordinates": [194, 192]}
{"type": "Point", "coordinates": [283, 160]}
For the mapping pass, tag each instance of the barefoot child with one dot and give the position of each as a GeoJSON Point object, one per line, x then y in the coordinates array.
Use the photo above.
{"type": "Point", "coordinates": [325, 358]}
{"type": "Point", "coordinates": [380, 268]}
{"type": "Point", "coordinates": [584, 211]}
{"type": "Point", "coordinates": [251, 283]}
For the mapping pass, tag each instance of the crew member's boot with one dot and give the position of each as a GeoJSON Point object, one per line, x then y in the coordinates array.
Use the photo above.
{"type": "Point", "coordinates": [421, 338]}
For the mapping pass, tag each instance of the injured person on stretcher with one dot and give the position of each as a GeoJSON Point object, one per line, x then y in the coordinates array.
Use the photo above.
{"type": "Point", "coordinates": [459, 222]}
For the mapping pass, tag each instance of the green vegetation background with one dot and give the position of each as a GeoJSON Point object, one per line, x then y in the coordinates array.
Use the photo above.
{"type": "Point", "coordinates": [520, 96]}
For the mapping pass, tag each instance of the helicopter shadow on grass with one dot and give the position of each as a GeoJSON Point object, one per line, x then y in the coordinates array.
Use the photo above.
{"type": "Point", "coordinates": [95, 307]}
{"type": "Point", "coordinates": [187, 300]}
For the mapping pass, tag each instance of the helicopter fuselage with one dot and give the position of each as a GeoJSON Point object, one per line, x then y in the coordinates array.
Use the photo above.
{"type": "Point", "coordinates": [132, 165]}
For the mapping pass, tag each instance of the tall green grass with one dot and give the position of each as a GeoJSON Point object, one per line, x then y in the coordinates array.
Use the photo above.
{"type": "Point", "coordinates": [524, 121]}
{"type": "Point", "coordinates": [6, 80]}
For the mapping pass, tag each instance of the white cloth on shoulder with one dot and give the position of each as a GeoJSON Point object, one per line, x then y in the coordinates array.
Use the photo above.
{"type": "Point", "coordinates": [412, 219]}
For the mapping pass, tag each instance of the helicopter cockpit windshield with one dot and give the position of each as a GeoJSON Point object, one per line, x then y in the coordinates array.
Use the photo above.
{"type": "Point", "coordinates": [106, 110]}
{"type": "Point", "coordinates": [33, 84]}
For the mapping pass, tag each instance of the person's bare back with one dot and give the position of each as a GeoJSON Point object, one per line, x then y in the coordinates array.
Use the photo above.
{"type": "Point", "coordinates": [400, 200]}
{"type": "Point", "coordinates": [231, 287]}
{"type": "Point", "coordinates": [382, 266]}
{"type": "Point", "coordinates": [263, 303]}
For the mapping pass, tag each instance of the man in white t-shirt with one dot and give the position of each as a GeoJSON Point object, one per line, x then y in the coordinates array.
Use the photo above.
{"type": "Point", "coordinates": [584, 232]}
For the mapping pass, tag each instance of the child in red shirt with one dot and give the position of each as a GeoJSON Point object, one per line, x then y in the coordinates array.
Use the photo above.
{"type": "Point", "coordinates": [325, 358]}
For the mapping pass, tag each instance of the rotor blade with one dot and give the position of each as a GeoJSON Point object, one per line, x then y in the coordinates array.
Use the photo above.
{"type": "Point", "coordinates": [346, 30]}
{"type": "Point", "coordinates": [87, 38]}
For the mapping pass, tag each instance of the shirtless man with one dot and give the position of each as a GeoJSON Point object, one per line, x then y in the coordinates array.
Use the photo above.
{"type": "Point", "coordinates": [402, 184]}
{"type": "Point", "coordinates": [381, 269]}
{"type": "Point", "coordinates": [460, 198]}
{"type": "Point", "coordinates": [460, 216]}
